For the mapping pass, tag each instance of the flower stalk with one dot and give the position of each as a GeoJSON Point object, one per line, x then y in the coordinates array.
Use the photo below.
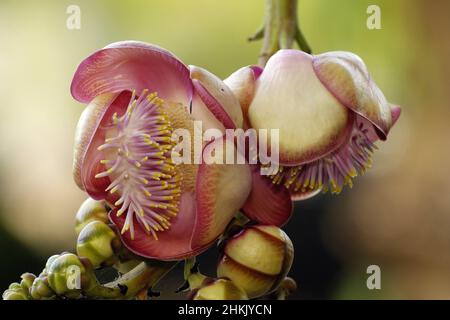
{"type": "Point", "coordinates": [141, 278]}
{"type": "Point", "coordinates": [280, 29]}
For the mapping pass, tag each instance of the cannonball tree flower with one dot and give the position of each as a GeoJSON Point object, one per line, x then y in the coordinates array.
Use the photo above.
{"type": "Point", "coordinates": [138, 95]}
{"type": "Point", "coordinates": [329, 113]}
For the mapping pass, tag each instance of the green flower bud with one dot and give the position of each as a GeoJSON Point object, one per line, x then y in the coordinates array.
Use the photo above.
{"type": "Point", "coordinates": [65, 275]}
{"type": "Point", "coordinates": [48, 263]}
{"type": "Point", "coordinates": [17, 293]}
{"type": "Point", "coordinates": [95, 242]}
{"type": "Point", "coordinates": [90, 210]}
{"type": "Point", "coordinates": [15, 286]}
{"type": "Point", "coordinates": [219, 289]}
{"type": "Point", "coordinates": [40, 289]}
{"type": "Point", "coordinates": [27, 281]}
{"type": "Point", "coordinates": [258, 259]}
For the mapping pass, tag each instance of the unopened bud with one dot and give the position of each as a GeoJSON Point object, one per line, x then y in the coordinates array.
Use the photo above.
{"type": "Point", "coordinates": [65, 275]}
{"type": "Point", "coordinates": [15, 286]}
{"type": "Point", "coordinates": [48, 263]}
{"type": "Point", "coordinates": [258, 259]}
{"type": "Point", "coordinates": [27, 281]}
{"type": "Point", "coordinates": [15, 292]}
{"type": "Point", "coordinates": [95, 242]}
{"type": "Point", "coordinates": [219, 289]}
{"type": "Point", "coordinates": [90, 210]}
{"type": "Point", "coordinates": [40, 289]}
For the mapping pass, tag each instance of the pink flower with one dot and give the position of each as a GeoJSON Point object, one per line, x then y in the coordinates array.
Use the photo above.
{"type": "Point", "coordinates": [329, 113]}
{"type": "Point", "coordinates": [137, 95]}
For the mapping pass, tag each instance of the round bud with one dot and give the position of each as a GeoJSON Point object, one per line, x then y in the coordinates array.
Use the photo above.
{"type": "Point", "coordinates": [48, 263]}
{"type": "Point", "coordinates": [90, 210]}
{"type": "Point", "coordinates": [40, 289]}
{"type": "Point", "coordinates": [27, 281]}
{"type": "Point", "coordinates": [220, 289]}
{"type": "Point", "coordinates": [258, 259]}
{"type": "Point", "coordinates": [65, 275]}
{"type": "Point", "coordinates": [95, 243]}
{"type": "Point", "coordinates": [15, 286]}
{"type": "Point", "coordinates": [16, 293]}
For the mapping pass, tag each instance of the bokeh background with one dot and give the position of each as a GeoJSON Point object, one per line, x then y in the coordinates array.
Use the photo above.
{"type": "Point", "coordinates": [397, 216]}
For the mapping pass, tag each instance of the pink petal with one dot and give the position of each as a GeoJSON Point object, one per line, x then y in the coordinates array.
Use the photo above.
{"type": "Point", "coordinates": [172, 244]}
{"type": "Point", "coordinates": [200, 112]}
{"type": "Point", "coordinates": [347, 78]}
{"type": "Point", "coordinates": [217, 97]}
{"type": "Point", "coordinates": [91, 134]}
{"type": "Point", "coordinates": [395, 112]}
{"type": "Point", "coordinates": [132, 65]}
{"type": "Point", "coordinates": [257, 71]}
{"type": "Point", "coordinates": [213, 105]}
{"type": "Point", "coordinates": [221, 191]}
{"type": "Point", "coordinates": [268, 203]}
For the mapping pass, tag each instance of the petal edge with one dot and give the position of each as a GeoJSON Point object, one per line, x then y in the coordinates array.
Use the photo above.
{"type": "Point", "coordinates": [267, 203]}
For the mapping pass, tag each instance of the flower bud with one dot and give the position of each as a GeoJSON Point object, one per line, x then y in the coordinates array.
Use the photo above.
{"type": "Point", "coordinates": [95, 243]}
{"type": "Point", "coordinates": [15, 286]}
{"type": "Point", "coordinates": [65, 275]}
{"type": "Point", "coordinates": [47, 265]}
{"type": "Point", "coordinates": [27, 281]}
{"type": "Point", "coordinates": [219, 289]}
{"type": "Point", "coordinates": [13, 295]}
{"type": "Point", "coordinates": [15, 292]}
{"type": "Point", "coordinates": [40, 289]}
{"type": "Point", "coordinates": [258, 259]}
{"type": "Point", "coordinates": [90, 210]}
{"type": "Point", "coordinates": [50, 261]}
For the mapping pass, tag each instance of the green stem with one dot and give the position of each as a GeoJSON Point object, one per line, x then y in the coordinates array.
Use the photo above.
{"type": "Point", "coordinates": [301, 41]}
{"type": "Point", "coordinates": [281, 29]}
{"type": "Point", "coordinates": [145, 275]}
{"type": "Point", "coordinates": [188, 265]}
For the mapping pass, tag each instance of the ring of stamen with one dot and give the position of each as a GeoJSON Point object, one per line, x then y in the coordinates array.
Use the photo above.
{"type": "Point", "coordinates": [333, 171]}
{"type": "Point", "coordinates": [137, 154]}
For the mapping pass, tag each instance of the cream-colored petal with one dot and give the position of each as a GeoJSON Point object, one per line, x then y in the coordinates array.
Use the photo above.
{"type": "Point", "coordinates": [222, 189]}
{"type": "Point", "coordinates": [219, 92]}
{"type": "Point", "coordinates": [242, 84]}
{"type": "Point", "coordinates": [347, 78]}
{"type": "Point", "coordinates": [290, 97]}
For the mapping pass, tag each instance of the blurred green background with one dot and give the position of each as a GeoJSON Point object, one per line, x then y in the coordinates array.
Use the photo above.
{"type": "Point", "coordinates": [397, 216]}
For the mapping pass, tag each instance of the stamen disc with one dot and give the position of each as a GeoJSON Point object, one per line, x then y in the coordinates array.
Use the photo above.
{"type": "Point", "coordinates": [137, 155]}
{"type": "Point", "coordinates": [333, 171]}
